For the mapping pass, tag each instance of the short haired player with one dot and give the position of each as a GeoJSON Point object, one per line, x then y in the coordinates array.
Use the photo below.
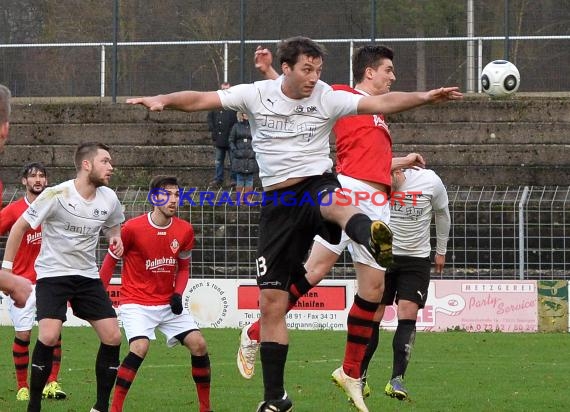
{"type": "Point", "coordinates": [291, 118]}
{"type": "Point", "coordinates": [156, 262]}
{"type": "Point", "coordinates": [72, 215]}
{"type": "Point", "coordinates": [33, 177]}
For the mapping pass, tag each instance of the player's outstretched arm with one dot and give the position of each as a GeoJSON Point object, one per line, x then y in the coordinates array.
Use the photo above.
{"type": "Point", "coordinates": [187, 101]}
{"type": "Point", "coordinates": [395, 102]}
{"type": "Point", "coordinates": [17, 287]}
{"type": "Point", "coordinates": [107, 269]}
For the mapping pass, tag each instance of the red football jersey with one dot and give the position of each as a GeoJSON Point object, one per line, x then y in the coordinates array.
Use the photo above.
{"type": "Point", "coordinates": [363, 145]}
{"type": "Point", "coordinates": [31, 242]}
{"type": "Point", "coordinates": [150, 259]}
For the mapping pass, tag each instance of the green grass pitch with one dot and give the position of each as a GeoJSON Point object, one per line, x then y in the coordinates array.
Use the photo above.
{"type": "Point", "coordinates": [454, 371]}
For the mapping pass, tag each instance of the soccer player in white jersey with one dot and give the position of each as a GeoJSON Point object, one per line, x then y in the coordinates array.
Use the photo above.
{"type": "Point", "coordinates": [364, 164]}
{"type": "Point", "coordinates": [156, 266]}
{"type": "Point", "coordinates": [72, 214]}
{"type": "Point", "coordinates": [291, 118]}
{"type": "Point", "coordinates": [407, 279]}
{"type": "Point", "coordinates": [17, 287]}
{"type": "Point", "coordinates": [34, 178]}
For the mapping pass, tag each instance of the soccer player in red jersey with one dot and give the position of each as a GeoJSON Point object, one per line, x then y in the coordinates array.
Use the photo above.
{"type": "Point", "coordinates": [34, 178]}
{"type": "Point", "coordinates": [156, 262]}
{"type": "Point", "coordinates": [17, 287]}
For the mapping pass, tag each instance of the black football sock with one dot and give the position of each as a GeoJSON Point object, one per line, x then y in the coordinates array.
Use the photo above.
{"type": "Point", "coordinates": [106, 368]}
{"type": "Point", "coordinates": [402, 345]}
{"type": "Point", "coordinates": [42, 359]}
{"type": "Point", "coordinates": [370, 349]}
{"type": "Point", "coordinates": [273, 357]}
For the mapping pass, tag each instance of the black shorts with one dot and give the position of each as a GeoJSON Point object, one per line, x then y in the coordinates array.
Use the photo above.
{"type": "Point", "coordinates": [86, 296]}
{"type": "Point", "coordinates": [290, 218]}
{"type": "Point", "coordinates": [408, 279]}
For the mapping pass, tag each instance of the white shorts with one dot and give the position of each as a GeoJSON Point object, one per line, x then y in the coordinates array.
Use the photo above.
{"type": "Point", "coordinates": [141, 320]}
{"type": "Point", "coordinates": [24, 318]}
{"type": "Point", "coordinates": [378, 211]}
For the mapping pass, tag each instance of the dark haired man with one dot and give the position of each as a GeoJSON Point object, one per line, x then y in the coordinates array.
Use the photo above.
{"type": "Point", "coordinates": [34, 178]}
{"type": "Point", "coordinates": [364, 161]}
{"type": "Point", "coordinates": [291, 119]}
{"type": "Point", "coordinates": [72, 214]}
{"type": "Point", "coordinates": [156, 267]}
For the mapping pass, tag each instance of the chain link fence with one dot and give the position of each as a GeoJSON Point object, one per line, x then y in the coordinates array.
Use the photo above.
{"type": "Point", "coordinates": [48, 51]}
{"type": "Point", "coordinates": [496, 233]}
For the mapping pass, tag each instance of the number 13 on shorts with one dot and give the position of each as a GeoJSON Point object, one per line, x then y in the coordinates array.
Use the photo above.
{"type": "Point", "coordinates": [261, 266]}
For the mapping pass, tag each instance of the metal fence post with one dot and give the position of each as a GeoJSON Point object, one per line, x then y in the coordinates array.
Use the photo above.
{"type": "Point", "coordinates": [521, 231]}
{"type": "Point", "coordinates": [350, 51]}
{"type": "Point", "coordinates": [226, 63]}
{"type": "Point", "coordinates": [102, 70]}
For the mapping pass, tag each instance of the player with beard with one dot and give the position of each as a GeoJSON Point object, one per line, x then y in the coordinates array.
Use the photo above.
{"type": "Point", "coordinates": [34, 178]}
{"type": "Point", "coordinates": [72, 214]}
{"type": "Point", "coordinates": [156, 263]}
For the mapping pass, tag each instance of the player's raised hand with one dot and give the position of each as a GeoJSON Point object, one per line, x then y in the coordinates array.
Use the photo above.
{"type": "Point", "coordinates": [443, 94]}
{"type": "Point", "coordinates": [414, 161]}
{"type": "Point", "coordinates": [263, 60]}
{"type": "Point", "coordinates": [153, 103]}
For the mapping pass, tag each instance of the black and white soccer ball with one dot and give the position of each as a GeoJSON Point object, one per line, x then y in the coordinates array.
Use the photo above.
{"type": "Point", "coordinates": [500, 78]}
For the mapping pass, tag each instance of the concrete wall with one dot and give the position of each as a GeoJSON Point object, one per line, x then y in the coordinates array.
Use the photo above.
{"type": "Point", "coordinates": [522, 140]}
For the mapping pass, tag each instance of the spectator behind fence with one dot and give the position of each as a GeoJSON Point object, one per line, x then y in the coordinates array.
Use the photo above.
{"type": "Point", "coordinates": [220, 123]}
{"type": "Point", "coordinates": [244, 164]}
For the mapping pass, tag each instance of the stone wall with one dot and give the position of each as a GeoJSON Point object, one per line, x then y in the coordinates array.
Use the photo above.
{"type": "Point", "coordinates": [522, 140]}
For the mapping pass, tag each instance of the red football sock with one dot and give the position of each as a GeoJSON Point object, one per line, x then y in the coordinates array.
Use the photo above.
{"type": "Point", "coordinates": [360, 326]}
{"type": "Point", "coordinates": [21, 355]}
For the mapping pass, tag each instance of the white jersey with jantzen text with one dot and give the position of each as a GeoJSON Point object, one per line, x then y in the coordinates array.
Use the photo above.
{"type": "Point", "coordinates": [71, 226]}
{"type": "Point", "coordinates": [290, 136]}
{"type": "Point", "coordinates": [411, 208]}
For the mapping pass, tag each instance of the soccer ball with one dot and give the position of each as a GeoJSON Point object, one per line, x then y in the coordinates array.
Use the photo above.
{"type": "Point", "coordinates": [500, 78]}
